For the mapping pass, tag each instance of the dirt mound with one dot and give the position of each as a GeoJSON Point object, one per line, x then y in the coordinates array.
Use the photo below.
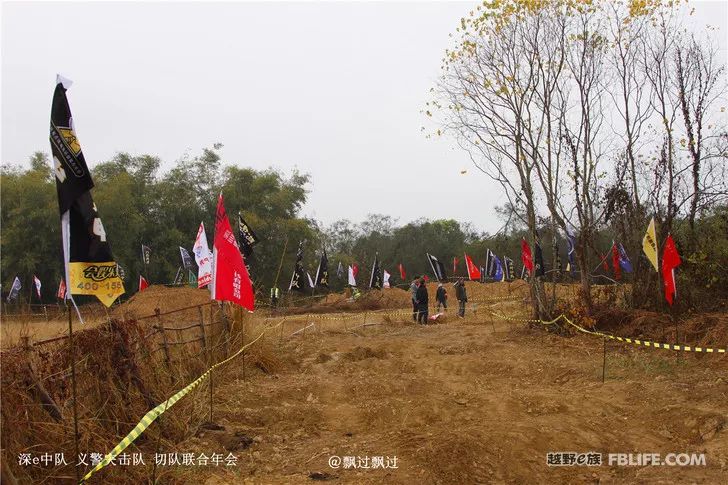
{"type": "Point", "coordinates": [165, 298]}
{"type": "Point", "coordinates": [705, 329]}
{"type": "Point", "coordinates": [389, 298]}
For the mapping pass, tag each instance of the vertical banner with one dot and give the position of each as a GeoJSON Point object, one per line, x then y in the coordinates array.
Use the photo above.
{"type": "Point", "coordinates": [473, 271]}
{"type": "Point", "coordinates": [36, 281]}
{"type": "Point", "coordinates": [89, 266]}
{"type": "Point", "coordinates": [203, 257]}
{"type": "Point", "coordinates": [526, 257]}
{"type": "Point", "coordinates": [146, 254]}
{"type": "Point", "coordinates": [322, 272]}
{"type": "Point", "coordinates": [14, 290]}
{"type": "Point", "coordinates": [649, 244]}
{"type": "Point", "coordinates": [438, 269]}
{"type": "Point", "coordinates": [375, 280]}
{"type": "Point", "coordinates": [229, 274]}
{"type": "Point", "coordinates": [670, 260]}
{"type": "Point", "coordinates": [297, 276]}
{"type": "Point", "coordinates": [186, 258]}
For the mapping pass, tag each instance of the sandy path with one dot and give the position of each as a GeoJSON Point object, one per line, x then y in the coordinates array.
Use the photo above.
{"type": "Point", "coordinates": [458, 403]}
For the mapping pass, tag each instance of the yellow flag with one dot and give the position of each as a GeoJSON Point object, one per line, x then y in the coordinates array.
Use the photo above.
{"type": "Point", "coordinates": [649, 244]}
{"type": "Point", "coordinates": [99, 279]}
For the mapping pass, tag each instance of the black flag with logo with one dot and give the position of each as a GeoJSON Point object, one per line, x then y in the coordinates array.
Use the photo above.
{"type": "Point", "coordinates": [89, 264]}
{"type": "Point", "coordinates": [248, 239]}
{"type": "Point", "coordinates": [322, 272]}
{"type": "Point", "coordinates": [510, 270]}
{"type": "Point", "coordinates": [438, 269]}
{"type": "Point", "coordinates": [146, 254]}
{"type": "Point", "coordinates": [298, 272]}
{"type": "Point", "coordinates": [375, 280]}
{"type": "Point", "coordinates": [186, 258]}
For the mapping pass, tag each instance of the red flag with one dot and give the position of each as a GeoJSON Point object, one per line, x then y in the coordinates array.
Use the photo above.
{"type": "Point", "coordinates": [426, 278]}
{"type": "Point", "coordinates": [473, 271]}
{"type": "Point", "coordinates": [454, 264]}
{"type": "Point", "coordinates": [61, 290]}
{"type": "Point", "coordinates": [526, 257]}
{"type": "Point", "coordinates": [670, 261]}
{"type": "Point", "coordinates": [402, 273]}
{"type": "Point", "coordinates": [142, 283]}
{"type": "Point", "coordinates": [604, 262]}
{"type": "Point", "coordinates": [615, 262]}
{"type": "Point", "coordinates": [355, 269]}
{"type": "Point", "coordinates": [230, 278]}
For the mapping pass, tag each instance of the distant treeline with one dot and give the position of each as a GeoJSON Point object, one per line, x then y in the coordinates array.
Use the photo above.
{"type": "Point", "coordinates": [141, 205]}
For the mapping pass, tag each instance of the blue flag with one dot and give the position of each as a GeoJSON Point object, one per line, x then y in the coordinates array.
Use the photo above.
{"type": "Point", "coordinates": [624, 260]}
{"type": "Point", "coordinates": [498, 276]}
{"type": "Point", "coordinates": [571, 240]}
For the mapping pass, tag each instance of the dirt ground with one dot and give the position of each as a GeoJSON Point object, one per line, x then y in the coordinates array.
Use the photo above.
{"type": "Point", "coordinates": [465, 401]}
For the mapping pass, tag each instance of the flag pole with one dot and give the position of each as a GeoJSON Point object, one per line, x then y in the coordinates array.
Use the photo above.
{"type": "Point", "coordinates": [280, 265]}
{"type": "Point", "coordinates": [73, 390]}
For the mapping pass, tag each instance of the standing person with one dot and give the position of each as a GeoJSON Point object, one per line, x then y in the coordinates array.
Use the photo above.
{"type": "Point", "coordinates": [422, 303]}
{"type": "Point", "coordinates": [275, 295]}
{"type": "Point", "coordinates": [462, 297]}
{"type": "Point", "coordinates": [413, 292]}
{"type": "Point", "coordinates": [441, 297]}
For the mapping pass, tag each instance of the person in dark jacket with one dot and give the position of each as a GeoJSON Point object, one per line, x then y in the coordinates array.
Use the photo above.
{"type": "Point", "coordinates": [413, 292]}
{"type": "Point", "coordinates": [422, 303]}
{"type": "Point", "coordinates": [441, 297]}
{"type": "Point", "coordinates": [462, 297]}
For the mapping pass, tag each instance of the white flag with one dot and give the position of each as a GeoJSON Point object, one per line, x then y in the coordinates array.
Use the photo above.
{"type": "Point", "coordinates": [203, 257]}
{"type": "Point", "coordinates": [352, 281]}
{"type": "Point", "coordinates": [15, 289]}
{"type": "Point", "coordinates": [385, 278]}
{"type": "Point", "coordinates": [37, 285]}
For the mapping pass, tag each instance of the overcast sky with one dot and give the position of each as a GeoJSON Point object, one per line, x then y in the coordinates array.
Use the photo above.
{"type": "Point", "coordinates": [332, 89]}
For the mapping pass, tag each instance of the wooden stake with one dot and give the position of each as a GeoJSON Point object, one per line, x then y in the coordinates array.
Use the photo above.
{"type": "Point", "coordinates": [165, 345]}
{"type": "Point", "coordinates": [604, 361]}
{"type": "Point", "coordinates": [242, 332]}
{"type": "Point", "coordinates": [73, 389]}
{"type": "Point", "coordinates": [202, 329]}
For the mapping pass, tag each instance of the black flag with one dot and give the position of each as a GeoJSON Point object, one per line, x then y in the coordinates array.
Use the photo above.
{"type": "Point", "coordinates": [437, 267]}
{"type": "Point", "coordinates": [186, 258]}
{"type": "Point", "coordinates": [146, 254]}
{"type": "Point", "coordinates": [510, 271]}
{"type": "Point", "coordinates": [248, 239]}
{"type": "Point", "coordinates": [340, 271]}
{"type": "Point", "coordinates": [322, 272]}
{"type": "Point", "coordinates": [179, 277]}
{"type": "Point", "coordinates": [297, 276]}
{"type": "Point", "coordinates": [375, 280]}
{"type": "Point", "coordinates": [490, 267]}
{"type": "Point", "coordinates": [89, 266]}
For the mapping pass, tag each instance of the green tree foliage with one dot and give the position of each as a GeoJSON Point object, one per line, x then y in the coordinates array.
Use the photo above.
{"type": "Point", "coordinates": [139, 205]}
